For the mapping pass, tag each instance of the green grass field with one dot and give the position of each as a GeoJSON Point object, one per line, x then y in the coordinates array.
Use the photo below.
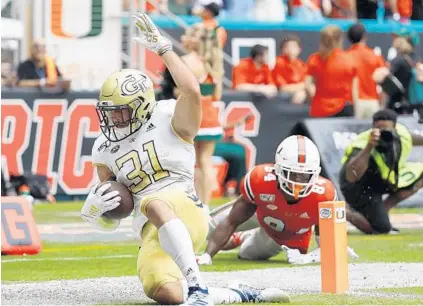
{"type": "Point", "coordinates": [76, 261]}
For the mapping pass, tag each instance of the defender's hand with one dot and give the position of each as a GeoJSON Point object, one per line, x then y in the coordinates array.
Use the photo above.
{"type": "Point", "coordinates": [374, 138]}
{"type": "Point", "coordinates": [352, 253]}
{"type": "Point", "coordinates": [150, 36]}
{"type": "Point", "coordinates": [204, 259]}
{"type": "Point", "coordinates": [97, 203]}
{"type": "Point", "coordinates": [295, 257]}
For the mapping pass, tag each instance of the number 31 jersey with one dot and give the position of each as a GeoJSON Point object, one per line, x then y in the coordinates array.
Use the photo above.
{"type": "Point", "coordinates": [151, 159]}
{"type": "Point", "coordinates": [280, 220]}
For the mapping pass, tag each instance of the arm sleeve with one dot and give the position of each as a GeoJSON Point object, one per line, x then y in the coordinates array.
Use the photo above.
{"type": "Point", "coordinates": [270, 79]}
{"type": "Point", "coordinates": [310, 66]}
{"type": "Point", "coordinates": [239, 76]}
{"type": "Point", "coordinates": [278, 77]}
{"type": "Point", "coordinates": [246, 187]}
{"type": "Point", "coordinates": [96, 158]}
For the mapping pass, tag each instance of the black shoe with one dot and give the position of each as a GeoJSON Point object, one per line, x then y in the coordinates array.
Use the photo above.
{"type": "Point", "coordinates": [394, 231]}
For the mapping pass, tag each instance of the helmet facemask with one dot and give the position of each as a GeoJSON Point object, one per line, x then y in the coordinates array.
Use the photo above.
{"type": "Point", "coordinates": [297, 181]}
{"type": "Point", "coordinates": [118, 122]}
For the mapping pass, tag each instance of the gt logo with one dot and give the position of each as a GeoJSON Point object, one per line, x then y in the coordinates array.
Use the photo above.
{"type": "Point", "coordinates": [134, 84]}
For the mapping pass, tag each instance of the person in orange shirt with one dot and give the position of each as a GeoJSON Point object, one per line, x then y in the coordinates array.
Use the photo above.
{"type": "Point", "coordinates": [331, 79]}
{"type": "Point", "coordinates": [252, 74]}
{"type": "Point", "coordinates": [290, 71]}
{"type": "Point", "coordinates": [367, 62]}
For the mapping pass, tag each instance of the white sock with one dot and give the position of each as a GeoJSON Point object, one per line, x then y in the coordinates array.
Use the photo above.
{"type": "Point", "coordinates": [224, 296]}
{"type": "Point", "coordinates": [176, 241]}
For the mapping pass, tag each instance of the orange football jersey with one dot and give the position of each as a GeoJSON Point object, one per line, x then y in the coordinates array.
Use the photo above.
{"type": "Point", "coordinates": [282, 221]}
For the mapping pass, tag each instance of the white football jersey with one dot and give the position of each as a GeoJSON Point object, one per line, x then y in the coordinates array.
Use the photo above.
{"type": "Point", "coordinates": [152, 159]}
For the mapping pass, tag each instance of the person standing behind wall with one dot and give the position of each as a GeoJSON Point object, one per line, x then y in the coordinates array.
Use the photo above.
{"type": "Point", "coordinates": [331, 79]}
{"type": "Point", "coordinates": [367, 62]}
{"type": "Point", "coordinates": [39, 70]}
{"type": "Point", "coordinates": [290, 71]}
{"type": "Point", "coordinates": [253, 74]}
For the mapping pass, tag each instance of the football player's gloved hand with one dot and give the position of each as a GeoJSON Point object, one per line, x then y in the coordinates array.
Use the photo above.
{"type": "Point", "coordinates": [97, 203]}
{"type": "Point", "coordinates": [150, 36]}
{"type": "Point", "coordinates": [295, 257]}
{"type": "Point", "coordinates": [204, 259]}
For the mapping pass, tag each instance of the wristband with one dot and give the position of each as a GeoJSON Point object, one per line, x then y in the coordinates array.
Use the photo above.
{"type": "Point", "coordinates": [164, 50]}
{"type": "Point", "coordinates": [43, 82]}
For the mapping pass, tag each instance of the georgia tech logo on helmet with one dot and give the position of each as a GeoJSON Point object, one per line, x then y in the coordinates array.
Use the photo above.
{"type": "Point", "coordinates": [133, 84]}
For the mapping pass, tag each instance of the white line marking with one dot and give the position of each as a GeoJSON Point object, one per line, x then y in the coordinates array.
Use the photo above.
{"type": "Point", "coordinates": [66, 258]}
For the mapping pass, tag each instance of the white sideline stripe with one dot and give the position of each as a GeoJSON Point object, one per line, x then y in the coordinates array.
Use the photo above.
{"type": "Point", "coordinates": [67, 258]}
{"type": "Point", "coordinates": [81, 258]}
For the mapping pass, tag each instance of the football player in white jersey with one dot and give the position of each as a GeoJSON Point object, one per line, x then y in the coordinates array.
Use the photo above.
{"type": "Point", "coordinates": [148, 146]}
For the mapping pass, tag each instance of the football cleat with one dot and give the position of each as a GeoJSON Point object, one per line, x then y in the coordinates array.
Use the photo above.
{"type": "Point", "coordinates": [249, 294]}
{"type": "Point", "coordinates": [198, 296]}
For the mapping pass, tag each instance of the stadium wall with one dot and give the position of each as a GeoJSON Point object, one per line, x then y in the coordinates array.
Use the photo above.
{"type": "Point", "coordinates": [54, 134]}
{"type": "Point", "coordinates": [242, 34]}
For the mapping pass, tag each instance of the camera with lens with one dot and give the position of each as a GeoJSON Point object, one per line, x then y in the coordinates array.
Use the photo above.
{"type": "Point", "coordinates": [386, 141]}
{"type": "Point", "coordinates": [386, 136]}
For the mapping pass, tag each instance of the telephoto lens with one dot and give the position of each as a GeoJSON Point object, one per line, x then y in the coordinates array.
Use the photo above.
{"type": "Point", "coordinates": [386, 136]}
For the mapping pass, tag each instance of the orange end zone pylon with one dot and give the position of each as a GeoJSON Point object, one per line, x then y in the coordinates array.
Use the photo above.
{"type": "Point", "coordinates": [19, 234]}
{"type": "Point", "coordinates": [333, 246]}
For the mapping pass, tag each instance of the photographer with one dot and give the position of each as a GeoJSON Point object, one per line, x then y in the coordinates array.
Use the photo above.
{"type": "Point", "coordinates": [395, 81]}
{"type": "Point", "coordinates": [375, 164]}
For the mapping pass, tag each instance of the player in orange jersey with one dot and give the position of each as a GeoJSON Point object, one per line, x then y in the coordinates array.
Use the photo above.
{"type": "Point", "coordinates": [279, 206]}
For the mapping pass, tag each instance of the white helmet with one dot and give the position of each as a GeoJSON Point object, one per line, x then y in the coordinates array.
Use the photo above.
{"type": "Point", "coordinates": [297, 165]}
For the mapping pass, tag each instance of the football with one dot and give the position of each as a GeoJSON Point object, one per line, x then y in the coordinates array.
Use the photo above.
{"type": "Point", "coordinates": [126, 204]}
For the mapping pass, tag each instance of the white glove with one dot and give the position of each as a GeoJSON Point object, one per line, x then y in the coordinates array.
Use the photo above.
{"type": "Point", "coordinates": [352, 253]}
{"type": "Point", "coordinates": [150, 36]}
{"type": "Point", "coordinates": [204, 259]}
{"type": "Point", "coordinates": [97, 203]}
{"type": "Point", "coordinates": [295, 257]}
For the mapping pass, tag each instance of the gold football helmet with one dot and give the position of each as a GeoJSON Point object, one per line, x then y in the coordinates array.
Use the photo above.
{"type": "Point", "coordinates": [126, 102]}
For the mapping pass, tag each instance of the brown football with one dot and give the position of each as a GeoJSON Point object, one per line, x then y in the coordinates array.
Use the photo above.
{"type": "Point", "coordinates": [126, 203]}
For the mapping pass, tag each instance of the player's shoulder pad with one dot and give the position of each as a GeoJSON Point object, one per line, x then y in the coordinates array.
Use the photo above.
{"type": "Point", "coordinates": [166, 106]}
{"type": "Point", "coordinates": [257, 181]}
{"type": "Point", "coordinates": [101, 145]}
{"type": "Point", "coordinates": [329, 193]}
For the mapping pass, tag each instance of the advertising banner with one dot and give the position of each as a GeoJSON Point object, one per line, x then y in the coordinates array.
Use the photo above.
{"type": "Point", "coordinates": [53, 135]}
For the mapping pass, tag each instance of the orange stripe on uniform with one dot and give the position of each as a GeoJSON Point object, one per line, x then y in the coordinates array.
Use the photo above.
{"type": "Point", "coordinates": [301, 149]}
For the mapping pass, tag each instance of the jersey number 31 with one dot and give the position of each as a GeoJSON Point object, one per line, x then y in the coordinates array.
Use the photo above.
{"type": "Point", "coordinates": [137, 175]}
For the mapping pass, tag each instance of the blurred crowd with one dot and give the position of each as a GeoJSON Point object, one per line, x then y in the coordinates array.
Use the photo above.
{"type": "Point", "coordinates": [305, 10]}
{"type": "Point", "coordinates": [353, 82]}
